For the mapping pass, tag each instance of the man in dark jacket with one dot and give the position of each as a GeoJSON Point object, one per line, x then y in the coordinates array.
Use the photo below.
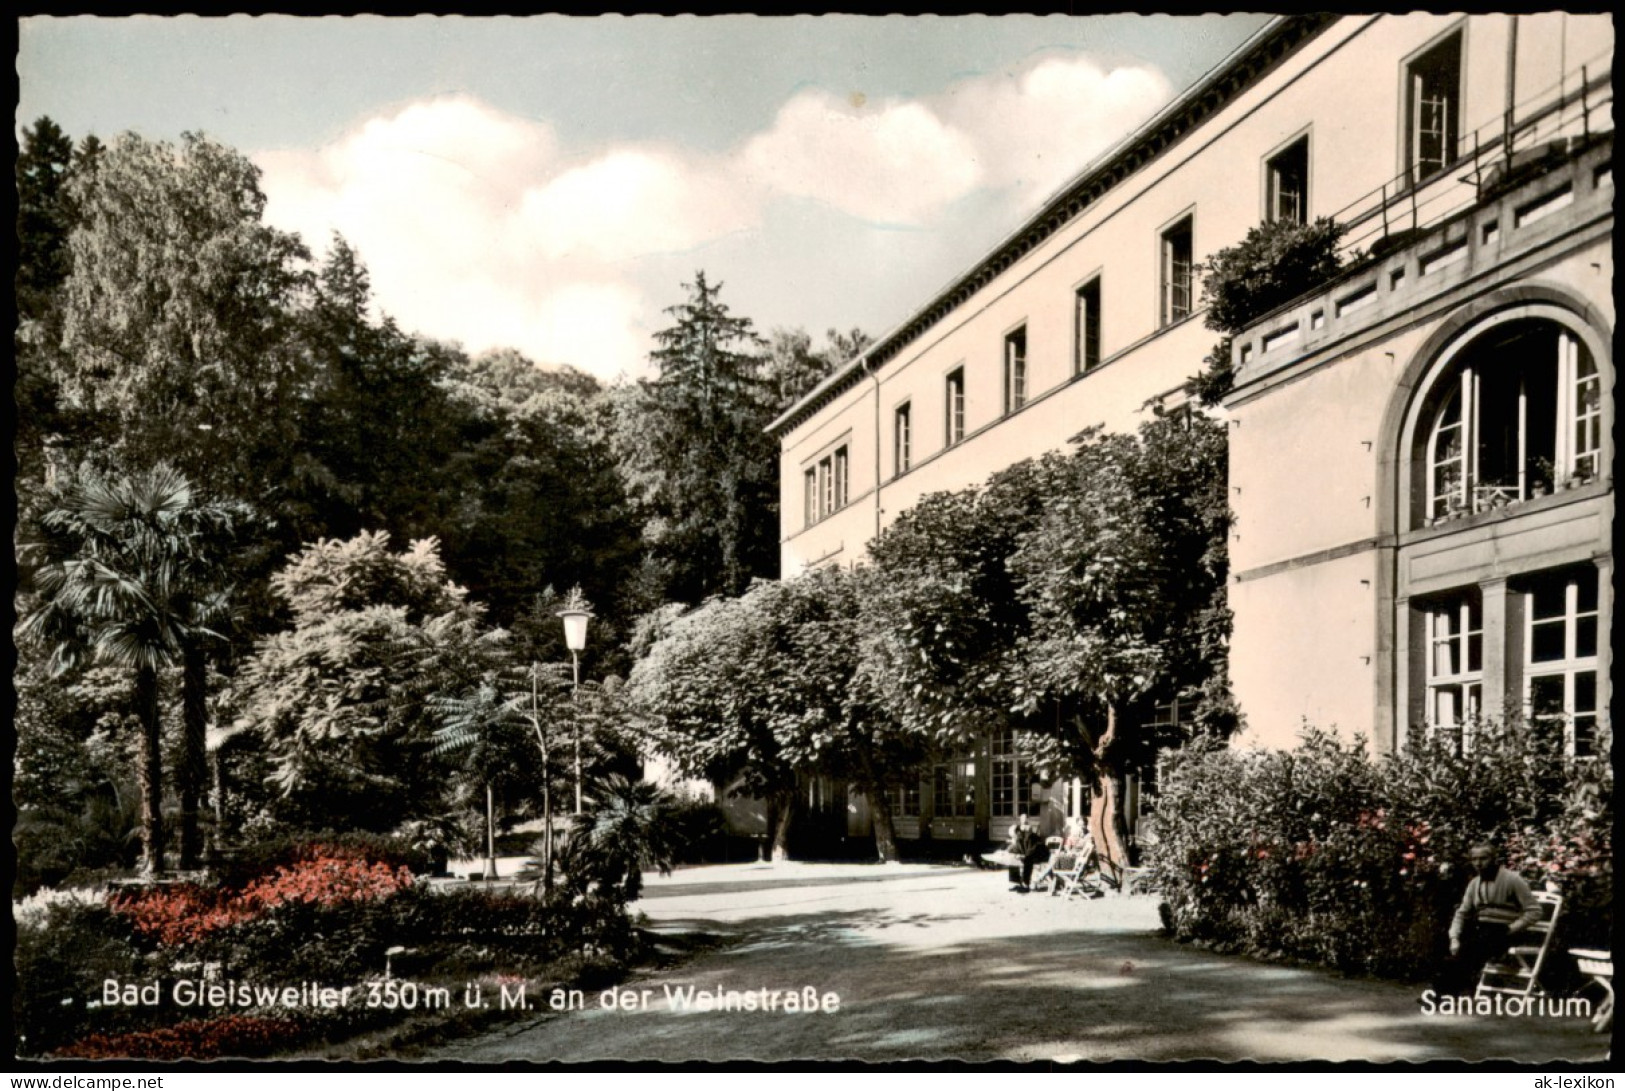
{"type": "Point", "coordinates": [1497, 908]}
{"type": "Point", "coordinates": [1025, 843]}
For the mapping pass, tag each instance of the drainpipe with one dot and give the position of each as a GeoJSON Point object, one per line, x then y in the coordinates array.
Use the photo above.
{"type": "Point", "coordinates": [879, 471]}
{"type": "Point", "coordinates": [1512, 88]}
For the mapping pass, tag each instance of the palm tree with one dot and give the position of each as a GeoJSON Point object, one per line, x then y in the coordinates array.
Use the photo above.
{"type": "Point", "coordinates": [628, 832]}
{"type": "Point", "coordinates": [125, 574]}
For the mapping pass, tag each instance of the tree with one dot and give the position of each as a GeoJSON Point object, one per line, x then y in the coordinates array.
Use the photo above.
{"type": "Point", "coordinates": [489, 730]}
{"type": "Point", "coordinates": [706, 690]}
{"type": "Point", "coordinates": [341, 702]}
{"type": "Point", "coordinates": [763, 690]}
{"type": "Point", "coordinates": [696, 454]}
{"type": "Point", "coordinates": [46, 216]}
{"type": "Point", "coordinates": [1124, 578]}
{"type": "Point", "coordinates": [1060, 600]}
{"type": "Point", "coordinates": [839, 724]}
{"type": "Point", "coordinates": [127, 573]}
{"type": "Point", "coordinates": [177, 310]}
{"type": "Point", "coordinates": [630, 830]}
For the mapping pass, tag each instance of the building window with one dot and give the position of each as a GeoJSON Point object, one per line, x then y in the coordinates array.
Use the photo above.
{"type": "Point", "coordinates": [1455, 664]}
{"type": "Point", "coordinates": [1178, 268]}
{"type": "Point", "coordinates": [811, 480]}
{"type": "Point", "coordinates": [843, 479]}
{"type": "Point", "coordinates": [955, 416]}
{"type": "Point", "coordinates": [1560, 658]}
{"type": "Point", "coordinates": [1433, 109]}
{"type": "Point", "coordinates": [900, 438]}
{"type": "Point", "coordinates": [1286, 184]}
{"type": "Point", "coordinates": [1086, 322]}
{"type": "Point", "coordinates": [1012, 780]}
{"type": "Point", "coordinates": [954, 786]}
{"type": "Point", "coordinates": [1520, 414]}
{"type": "Point", "coordinates": [826, 488]}
{"type": "Point", "coordinates": [905, 801]}
{"type": "Point", "coordinates": [1015, 370]}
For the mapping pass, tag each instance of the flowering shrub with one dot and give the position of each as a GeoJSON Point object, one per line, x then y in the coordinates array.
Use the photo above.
{"type": "Point", "coordinates": [186, 913]}
{"type": "Point", "coordinates": [1326, 854]}
{"type": "Point", "coordinates": [201, 1039]}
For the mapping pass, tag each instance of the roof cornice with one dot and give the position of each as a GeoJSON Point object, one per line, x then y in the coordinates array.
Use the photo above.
{"type": "Point", "coordinates": [1254, 59]}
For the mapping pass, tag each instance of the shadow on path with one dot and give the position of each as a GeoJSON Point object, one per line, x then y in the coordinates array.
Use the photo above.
{"type": "Point", "coordinates": [947, 965]}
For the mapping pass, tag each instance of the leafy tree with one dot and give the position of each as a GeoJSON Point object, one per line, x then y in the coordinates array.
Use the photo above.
{"type": "Point", "coordinates": [765, 689]}
{"type": "Point", "coordinates": [341, 701]}
{"type": "Point", "coordinates": [126, 572]}
{"type": "Point", "coordinates": [1124, 577]}
{"type": "Point", "coordinates": [791, 367]}
{"type": "Point", "coordinates": [839, 723]}
{"type": "Point", "coordinates": [177, 310]}
{"type": "Point", "coordinates": [46, 216]}
{"type": "Point", "coordinates": [695, 451]}
{"type": "Point", "coordinates": [946, 614]}
{"type": "Point", "coordinates": [708, 689]}
{"type": "Point", "coordinates": [1061, 599]}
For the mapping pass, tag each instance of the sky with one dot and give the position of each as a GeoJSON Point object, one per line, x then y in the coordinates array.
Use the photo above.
{"type": "Point", "coordinates": [550, 183]}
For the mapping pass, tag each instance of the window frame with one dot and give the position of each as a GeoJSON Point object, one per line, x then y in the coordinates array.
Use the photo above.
{"type": "Point", "coordinates": [1087, 297]}
{"type": "Point", "coordinates": [1271, 187]}
{"type": "Point", "coordinates": [1015, 369]}
{"type": "Point", "coordinates": [1573, 666]}
{"type": "Point", "coordinates": [1451, 623]}
{"type": "Point", "coordinates": [1412, 161]}
{"type": "Point", "coordinates": [1010, 781]}
{"type": "Point", "coordinates": [902, 424]}
{"type": "Point", "coordinates": [1168, 286]}
{"type": "Point", "coordinates": [953, 417]}
{"type": "Point", "coordinates": [1452, 420]}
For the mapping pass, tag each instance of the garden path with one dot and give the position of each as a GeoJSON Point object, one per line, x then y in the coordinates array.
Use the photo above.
{"type": "Point", "coordinates": [935, 962]}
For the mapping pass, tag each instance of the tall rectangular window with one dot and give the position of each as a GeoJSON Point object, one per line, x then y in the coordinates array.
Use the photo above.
{"type": "Point", "coordinates": [1011, 780]}
{"type": "Point", "coordinates": [1286, 183]}
{"type": "Point", "coordinates": [954, 419]}
{"type": "Point", "coordinates": [1560, 658]}
{"type": "Point", "coordinates": [1178, 271]}
{"type": "Point", "coordinates": [810, 479]}
{"type": "Point", "coordinates": [826, 487]}
{"type": "Point", "coordinates": [1433, 109]}
{"type": "Point", "coordinates": [843, 479]}
{"type": "Point", "coordinates": [1455, 664]}
{"type": "Point", "coordinates": [1086, 323]}
{"type": "Point", "coordinates": [1015, 370]}
{"type": "Point", "coordinates": [900, 440]}
{"type": "Point", "coordinates": [954, 789]}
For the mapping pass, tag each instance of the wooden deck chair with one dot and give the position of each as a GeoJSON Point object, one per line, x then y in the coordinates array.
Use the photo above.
{"type": "Point", "coordinates": [1076, 873]}
{"type": "Point", "coordinates": [1517, 973]}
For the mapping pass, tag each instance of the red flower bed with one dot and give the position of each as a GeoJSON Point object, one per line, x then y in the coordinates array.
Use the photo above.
{"type": "Point", "coordinates": [231, 1035]}
{"type": "Point", "coordinates": [327, 876]}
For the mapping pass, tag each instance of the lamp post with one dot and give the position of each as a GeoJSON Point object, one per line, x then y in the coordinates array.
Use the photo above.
{"type": "Point", "coordinates": [575, 615]}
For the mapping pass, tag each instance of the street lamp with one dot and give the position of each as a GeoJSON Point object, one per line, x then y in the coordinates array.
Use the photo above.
{"type": "Point", "coordinates": [575, 615]}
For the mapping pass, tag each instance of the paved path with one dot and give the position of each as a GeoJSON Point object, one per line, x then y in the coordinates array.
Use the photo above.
{"type": "Point", "coordinates": [935, 962]}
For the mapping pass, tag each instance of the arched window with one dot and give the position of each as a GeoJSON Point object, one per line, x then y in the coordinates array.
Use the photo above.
{"type": "Point", "coordinates": [1517, 413]}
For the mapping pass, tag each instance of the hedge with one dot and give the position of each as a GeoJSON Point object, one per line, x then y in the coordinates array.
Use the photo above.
{"type": "Point", "coordinates": [1328, 855]}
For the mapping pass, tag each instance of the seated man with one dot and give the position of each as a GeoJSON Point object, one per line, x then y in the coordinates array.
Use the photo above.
{"type": "Point", "coordinates": [1025, 844]}
{"type": "Point", "coordinates": [1497, 907]}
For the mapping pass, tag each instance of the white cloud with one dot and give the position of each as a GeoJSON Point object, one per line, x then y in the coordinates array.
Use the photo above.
{"type": "Point", "coordinates": [1041, 128]}
{"type": "Point", "coordinates": [632, 202]}
{"type": "Point", "coordinates": [475, 227]}
{"type": "Point", "coordinates": [891, 162]}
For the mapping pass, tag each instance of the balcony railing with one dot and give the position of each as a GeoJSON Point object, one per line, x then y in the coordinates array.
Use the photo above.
{"type": "Point", "coordinates": [1579, 106]}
